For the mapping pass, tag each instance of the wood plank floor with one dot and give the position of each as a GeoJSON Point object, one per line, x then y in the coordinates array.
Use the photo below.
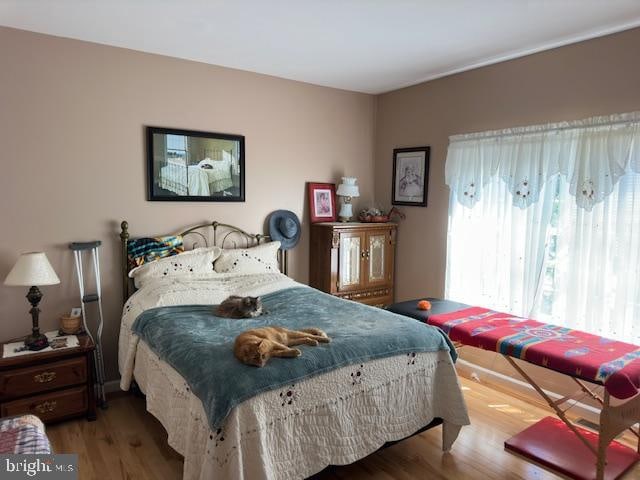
{"type": "Point", "coordinates": [126, 442]}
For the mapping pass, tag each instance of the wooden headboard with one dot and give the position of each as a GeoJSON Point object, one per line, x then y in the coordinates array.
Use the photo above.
{"type": "Point", "coordinates": [203, 235]}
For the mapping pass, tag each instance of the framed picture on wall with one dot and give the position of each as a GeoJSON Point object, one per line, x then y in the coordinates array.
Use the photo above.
{"type": "Point", "coordinates": [410, 176]}
{"type": "Point", "coordinates": [185, 165]}
{"type": "Point", "coordinates": [322, 202]}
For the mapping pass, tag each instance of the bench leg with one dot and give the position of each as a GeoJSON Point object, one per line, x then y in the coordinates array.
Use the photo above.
{"type": "Point", "coordinates": [604, 438]}
{"type": "Point", "coordinates": [559, 412]}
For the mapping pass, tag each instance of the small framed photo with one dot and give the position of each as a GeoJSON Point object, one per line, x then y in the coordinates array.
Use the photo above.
{"type": "Point", "coordinates": [410, 176]}
{"type": "Point", "coordinates": [322, 202]}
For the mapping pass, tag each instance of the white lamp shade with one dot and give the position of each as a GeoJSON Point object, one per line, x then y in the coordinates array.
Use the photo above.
{"type": "Point", "coordinates": [32, 269]}
{"type": "Point", "coordinates": [348, 188]}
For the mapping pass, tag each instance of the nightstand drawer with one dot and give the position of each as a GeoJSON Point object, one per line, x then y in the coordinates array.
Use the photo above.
{"type": "Point", "coordinates": [50, 407]}
{"type": "Point", "coordinates": [26, 381]}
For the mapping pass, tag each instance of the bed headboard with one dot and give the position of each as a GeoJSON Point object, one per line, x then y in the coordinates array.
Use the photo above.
{"type": "Point", "coordinates": [203, 235]}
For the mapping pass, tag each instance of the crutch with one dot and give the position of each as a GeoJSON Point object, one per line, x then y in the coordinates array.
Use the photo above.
{"type": "Point", "coordinates": [78, 248]}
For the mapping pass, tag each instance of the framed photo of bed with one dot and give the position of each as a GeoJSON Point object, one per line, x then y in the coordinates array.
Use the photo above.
{"type": "Point", "coordinates": [191, 166]}
{"type": "Point", "coordinates": [410, 176]}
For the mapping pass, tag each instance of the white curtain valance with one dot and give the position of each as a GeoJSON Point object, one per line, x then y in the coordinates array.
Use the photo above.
{"type": "Point", "coordinates": [592, 154]}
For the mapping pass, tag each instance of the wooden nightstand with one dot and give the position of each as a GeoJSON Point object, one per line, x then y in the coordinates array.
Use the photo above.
{"type": "Point", "coordinates": [53, 385]}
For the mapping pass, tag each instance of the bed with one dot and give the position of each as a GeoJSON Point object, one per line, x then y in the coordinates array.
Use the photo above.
{"type": "Point", "coordinates": [297, 429]}
{"type": "Point", "coordinates": [204, 179]}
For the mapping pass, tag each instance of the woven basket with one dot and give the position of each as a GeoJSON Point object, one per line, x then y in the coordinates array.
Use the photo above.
{"type": "Point", "coordinates": [70, 325]}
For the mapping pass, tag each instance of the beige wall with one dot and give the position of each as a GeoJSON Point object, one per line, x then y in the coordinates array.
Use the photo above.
{"type": "Point", "coordinates": [595, 77]}
{"type": "Point", "coordinates": [72, 117]}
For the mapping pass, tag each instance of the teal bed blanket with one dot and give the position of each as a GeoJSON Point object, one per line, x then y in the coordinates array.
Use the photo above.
{"type": "Point", "coordinates": [199, 345]}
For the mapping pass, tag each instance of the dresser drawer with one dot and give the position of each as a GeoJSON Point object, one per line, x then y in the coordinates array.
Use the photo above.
{"type": "Point", "coordinates": [26, 381]}
{"type": "Point", "coordinates": [50, 407]}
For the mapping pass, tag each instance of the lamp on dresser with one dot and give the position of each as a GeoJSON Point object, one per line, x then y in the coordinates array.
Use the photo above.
{"type": "Point", "coordinates": [347, 190]}
{"type": "Point", "coordinates": [32, 270]}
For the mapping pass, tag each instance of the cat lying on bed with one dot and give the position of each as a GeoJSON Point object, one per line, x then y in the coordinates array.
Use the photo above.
{"type": "Point", "coordinates": [258, 345]}
{"type": "Point", "coordinates": [240, 307]}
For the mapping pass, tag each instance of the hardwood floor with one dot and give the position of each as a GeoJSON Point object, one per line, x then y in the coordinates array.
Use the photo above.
{"type": "Point", "coordinates": [126, 442]}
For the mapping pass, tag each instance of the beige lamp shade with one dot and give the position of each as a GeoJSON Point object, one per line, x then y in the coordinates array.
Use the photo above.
{"type": "Point", "coordinates": [348, 188]}
{"type": "Point", "coordinates": [32, 269]}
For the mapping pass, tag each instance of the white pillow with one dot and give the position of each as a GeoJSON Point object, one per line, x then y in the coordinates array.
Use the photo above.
{"type": "Point", "coordinates": [191, 263]}
{"type": "Point", "coordinates": [258, 259]}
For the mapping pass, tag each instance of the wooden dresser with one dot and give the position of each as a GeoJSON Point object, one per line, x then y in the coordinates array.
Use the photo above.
{"type": "Point", "coordinates": [353, 261]}
{"type": "Point", "coordinates": [53, 385]}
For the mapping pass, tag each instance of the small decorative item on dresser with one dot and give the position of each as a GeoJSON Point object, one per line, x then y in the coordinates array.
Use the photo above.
{"type": "Point", "coordinates": [70, 324]}
{"type": "Point", "coordinates": [322, 202]}
{"type": "Point", "coordinates": [374, 215]}
{"type": "Point", "coordinates": [33, 269]}
{"type": "Point", "coordinates": [347, 190]}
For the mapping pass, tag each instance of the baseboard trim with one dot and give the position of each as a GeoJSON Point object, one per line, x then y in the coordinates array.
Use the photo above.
{"type": "Point", "coordinates": [520, 388]}
{"type": "Point", "coordinates": [112, 386]}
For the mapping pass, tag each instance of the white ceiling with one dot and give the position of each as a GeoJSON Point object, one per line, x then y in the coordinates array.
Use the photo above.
{"type": "Point", "coordinates": [368, 46]}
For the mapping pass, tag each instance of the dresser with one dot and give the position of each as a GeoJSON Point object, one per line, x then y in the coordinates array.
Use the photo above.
{"type": "Point", "coordinates": [53, 385]}
{"type": "Point", "coordinates": [353, 261]}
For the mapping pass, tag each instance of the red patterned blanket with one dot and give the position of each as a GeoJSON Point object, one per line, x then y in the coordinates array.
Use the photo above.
{"type": "Point", "coordinates": [616, 365]}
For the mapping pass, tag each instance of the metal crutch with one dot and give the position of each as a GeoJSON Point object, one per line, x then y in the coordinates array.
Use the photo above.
{"type": "Point", "coordinates": [78, 248]}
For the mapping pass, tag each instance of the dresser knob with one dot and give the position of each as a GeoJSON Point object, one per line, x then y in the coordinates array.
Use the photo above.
{"type": "Point", "coordinates": [44, 377]}
{"type": "Point", "coordinates": [46, 407]}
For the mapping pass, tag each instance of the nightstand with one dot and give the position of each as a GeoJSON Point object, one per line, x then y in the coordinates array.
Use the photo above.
{"type": "Point", "coordinates": [53, 385]}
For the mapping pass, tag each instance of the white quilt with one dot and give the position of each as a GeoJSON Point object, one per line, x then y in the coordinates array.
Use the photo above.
{"type": "Point", "coordinates": [201, 181]}
{"type": "Point", "coordinates": [293, 432]}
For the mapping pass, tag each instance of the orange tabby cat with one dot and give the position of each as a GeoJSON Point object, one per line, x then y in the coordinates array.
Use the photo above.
{"type": "Point", "coordinates": [258, 345]}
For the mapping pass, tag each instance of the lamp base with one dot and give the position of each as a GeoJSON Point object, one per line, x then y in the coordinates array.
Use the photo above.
{"type": "Point", "coordinates": [36, 342]}
{"type": "Point", "coordinates": [346, 212]}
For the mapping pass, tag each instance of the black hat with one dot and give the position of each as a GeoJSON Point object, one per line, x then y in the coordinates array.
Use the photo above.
{"type": "Point", "coordinates": [284, 227]}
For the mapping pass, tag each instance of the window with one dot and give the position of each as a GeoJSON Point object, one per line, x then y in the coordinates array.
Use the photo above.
{"type": "Point", "coordinates": [177, 147]}
{"type": "Point", "coordinates": [554, 212]}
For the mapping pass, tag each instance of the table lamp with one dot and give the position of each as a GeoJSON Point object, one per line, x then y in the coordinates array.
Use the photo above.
{"type": "Point", "coordinates": [33, 269]}
{"type": "Point", "coordinates": [347, 190]}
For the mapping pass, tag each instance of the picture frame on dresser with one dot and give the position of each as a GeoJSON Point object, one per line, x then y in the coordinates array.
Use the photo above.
{"type": "Point", "coordinates": [322, 202]}
{"type": "Point", "coordinates": [410, 176]}
{"type": "Point", "coordinates": [194, 166]}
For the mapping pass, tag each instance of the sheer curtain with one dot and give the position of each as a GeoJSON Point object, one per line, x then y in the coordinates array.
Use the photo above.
{"type": "Point", "coordinates": [595, 272]}
{"type": "Point", "coordinates": [544, 221]}
{"type": "Point", "coordinates": [496, 250]}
